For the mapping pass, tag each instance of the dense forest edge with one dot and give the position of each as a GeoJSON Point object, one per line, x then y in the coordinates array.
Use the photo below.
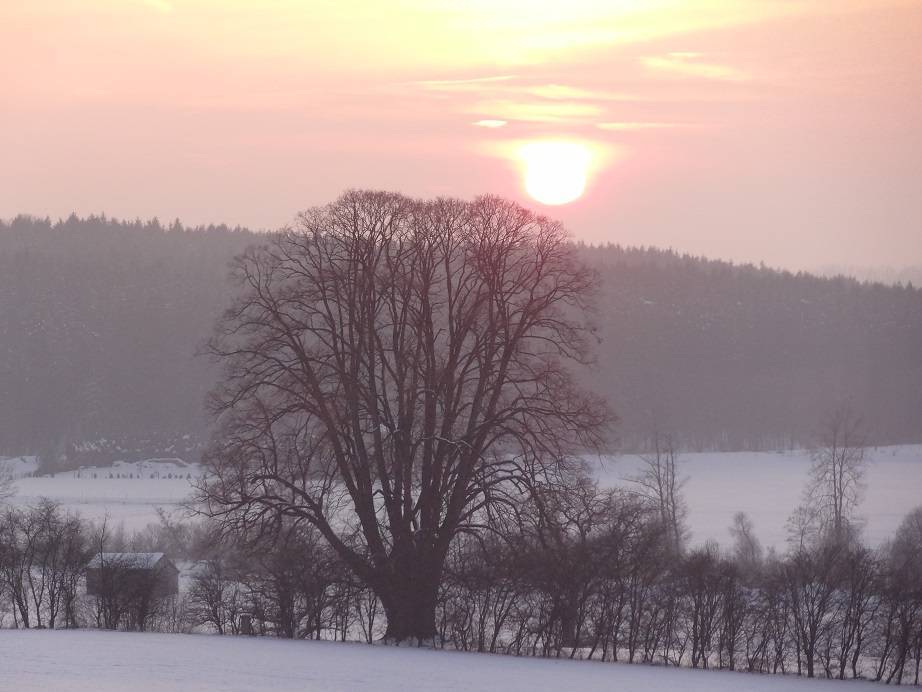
{"type": "Point", "coordinates": [101, 321]}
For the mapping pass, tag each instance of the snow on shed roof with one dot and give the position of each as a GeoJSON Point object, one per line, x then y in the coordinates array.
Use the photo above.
{"type": "Point", "coordinates": [126, 560]}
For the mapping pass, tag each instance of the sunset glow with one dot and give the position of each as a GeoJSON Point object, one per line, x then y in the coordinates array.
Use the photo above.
{"type": "Point", "coordinates": [182, 108]}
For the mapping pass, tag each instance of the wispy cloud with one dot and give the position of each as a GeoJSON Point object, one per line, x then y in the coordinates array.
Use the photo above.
{"type": "Point", "coordinates": [500, 99]}
{"type": "Point", "coordinates": [564, 92]}
{"type": "Point", "coordinates": [471, 84]}
{"type": "Point", "coordinates": [510, 85]}
{"type": "Point", "coordinates": [638, 126]}
{"type": "Point", "coordinates": [535, 111]}
{"type": "Point", "coordinates": [688, 64]}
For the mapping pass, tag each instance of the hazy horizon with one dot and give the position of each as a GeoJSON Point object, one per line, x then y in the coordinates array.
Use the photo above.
{"type": "Point", "coordinates": [887, 274]}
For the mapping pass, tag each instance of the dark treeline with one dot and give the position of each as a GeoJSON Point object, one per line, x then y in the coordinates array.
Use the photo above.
{"type": "Point", "coordinates": [100, 321]}
{"type": "Point", "coordinates": [585, 574]}
{"type": "Point", "coordinates": [742, 357]}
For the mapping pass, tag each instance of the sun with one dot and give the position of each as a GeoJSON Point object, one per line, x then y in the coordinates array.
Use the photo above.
{"type": "Point", "coordinates": [555, 170]}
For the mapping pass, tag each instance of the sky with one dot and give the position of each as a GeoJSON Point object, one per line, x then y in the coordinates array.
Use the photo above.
{"type": "Point", "coordinates": [782, 131]}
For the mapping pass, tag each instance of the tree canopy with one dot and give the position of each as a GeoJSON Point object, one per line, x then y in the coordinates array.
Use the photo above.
{"type": "Point", "coordinates": [393, 368]}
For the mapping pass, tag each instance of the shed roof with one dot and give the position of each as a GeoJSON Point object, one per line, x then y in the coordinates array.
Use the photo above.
{"type": "Point", "coordinates": [126, 560]}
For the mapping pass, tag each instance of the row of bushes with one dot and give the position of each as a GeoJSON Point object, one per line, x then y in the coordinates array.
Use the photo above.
{"type": "Point", "coordinates": [600, 578]}
{"type": "Point", "coordinates": [835, 609]}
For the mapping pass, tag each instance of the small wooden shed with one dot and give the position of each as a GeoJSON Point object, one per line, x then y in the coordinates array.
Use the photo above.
{"type": "Point", "coordinates": [153, 573]}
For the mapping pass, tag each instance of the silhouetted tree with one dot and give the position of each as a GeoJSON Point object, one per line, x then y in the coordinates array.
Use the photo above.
{"type": "Point", "coordinates": [838, 471]}
{"type": "Point", "coordinates": [660, 483]}
{"type": "Point", "coordinates": [7, 483]}
{"type": "Point", "coordinates": [746, 546]}
{"type": "Point", "coordinates": [392, 368]}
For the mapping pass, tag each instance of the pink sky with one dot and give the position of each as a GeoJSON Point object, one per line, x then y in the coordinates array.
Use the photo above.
{"type": "Point", "coordinates": [781, 131]}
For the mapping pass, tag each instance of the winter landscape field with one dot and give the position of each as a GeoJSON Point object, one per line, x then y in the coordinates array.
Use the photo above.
{"type": "Point", "coordinates": [94, 661]}
{"type": "Point", "coordinates": [128, 493]}
{"type": "Point", "coordinates": [766, 485]}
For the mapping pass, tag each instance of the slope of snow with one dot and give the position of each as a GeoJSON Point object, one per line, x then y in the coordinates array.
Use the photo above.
{"type": "Point", "coordinates": [768, 486]}
{"type": "Point", "coordinates": [97, 661]}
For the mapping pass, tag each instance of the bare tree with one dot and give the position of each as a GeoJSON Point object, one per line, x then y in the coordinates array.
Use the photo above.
{"type": "Point", "coordinates": [216, 596]}
{"type": "Point", "coordinates": [746, 546]}
{"type": "Point", "coordinates": [837, 473]}
{"type": "Point", "coordinates": [394, 367]}
{"type": "Point", "coordinates": [813, 579]}
{"type": "Point", "coordinates": [660, 484]}
{"type": "Point", "coordinates": [42, 555]}
{"type": "Point", "coordinates": [7, 484]}
{"type": "Point", "coordinates": [901, 639]}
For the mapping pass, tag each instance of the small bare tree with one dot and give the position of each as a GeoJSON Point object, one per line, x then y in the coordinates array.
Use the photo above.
{"type": "Point", "coordinates": [837, 474]}
{"type": "Point", "coordinates": [746, 546]}
{"type": "Point", "coordinates": [216, 596]}
{"type": "Point", "coordinates": [7, 483]}
{"type": "Point", "coordinates": [661, 485]}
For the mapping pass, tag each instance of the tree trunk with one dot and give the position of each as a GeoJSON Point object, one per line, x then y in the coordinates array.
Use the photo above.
{"type": "Point", "coordinates": [409, 599]}
{"type": "Point", "coordinates": [410, 615]}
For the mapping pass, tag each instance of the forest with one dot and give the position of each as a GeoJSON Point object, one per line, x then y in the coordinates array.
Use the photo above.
{"type": "Point", "coordinates": [102, 323]}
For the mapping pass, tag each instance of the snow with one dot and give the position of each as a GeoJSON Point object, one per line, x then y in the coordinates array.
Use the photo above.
{"type": "Point", "coordinates": [100, 661]}
{"type": "Point", "coordinates": [768, 486]}
{"type": "Point", "coordinates": [19, 467]}
{"type": "Point", "coordinates": [132, 499]}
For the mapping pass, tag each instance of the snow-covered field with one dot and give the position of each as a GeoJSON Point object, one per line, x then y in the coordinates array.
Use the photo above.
{"type": "Point", "coordinates": [129, 493]}
{"type": "Point", "coordinates": [767, 485]}
{"type": "Point", "coordinates": [99, 661]}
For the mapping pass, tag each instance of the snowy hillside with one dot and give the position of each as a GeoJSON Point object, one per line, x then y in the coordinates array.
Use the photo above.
{"type": "Point", "coordinates": [99, 661]}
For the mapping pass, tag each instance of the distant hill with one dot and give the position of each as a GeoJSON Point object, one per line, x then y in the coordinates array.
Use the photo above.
{"type": "Point", "coordinates": [100, 321]}
{"type": "Point", "coordinates": [743, 357]}
{"type": "Point", "coordinates": [99, 324]}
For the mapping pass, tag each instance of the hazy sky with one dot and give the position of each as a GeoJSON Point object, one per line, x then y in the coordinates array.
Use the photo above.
{"type": "Point", "coordinates": [775, 130]}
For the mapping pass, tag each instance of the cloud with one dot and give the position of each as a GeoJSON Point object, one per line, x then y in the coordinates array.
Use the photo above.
{"type": "Point", "coordinates": [687, 63]}
{"type": "Point", "coordinates": [471, 84]}
{"type": "Point", "coordinates": [499, 99]}
{"type": "Point", "coordinates": [512, 86]}
{"type": "Point", "coordinates": [636, 126]}
{"type": "Point", "coordinates": [561, 91]}
{"type": "Point", "coordinates": [544, 112]}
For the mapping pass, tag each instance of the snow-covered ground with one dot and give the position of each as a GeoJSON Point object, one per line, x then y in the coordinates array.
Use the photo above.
{"type": "Point", "coordinates": [99, 661]}
{"type": "Point", "coordinates": [766, 485]}
{"type": "Point", "coordinates": [769, 485]}
{"type": "Point", "coordinates": [129, 493]}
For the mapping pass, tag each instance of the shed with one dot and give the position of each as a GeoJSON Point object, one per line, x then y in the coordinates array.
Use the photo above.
{"type": "Point", "coordinates": [151, 573]}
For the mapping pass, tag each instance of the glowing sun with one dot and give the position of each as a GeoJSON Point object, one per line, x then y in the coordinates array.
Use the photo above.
{"type": "Point", "coordinates": [555, 170]}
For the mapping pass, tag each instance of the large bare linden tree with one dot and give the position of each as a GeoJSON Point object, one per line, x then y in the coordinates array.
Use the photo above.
{"type": "Point", "coordinates": [393, 368]}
